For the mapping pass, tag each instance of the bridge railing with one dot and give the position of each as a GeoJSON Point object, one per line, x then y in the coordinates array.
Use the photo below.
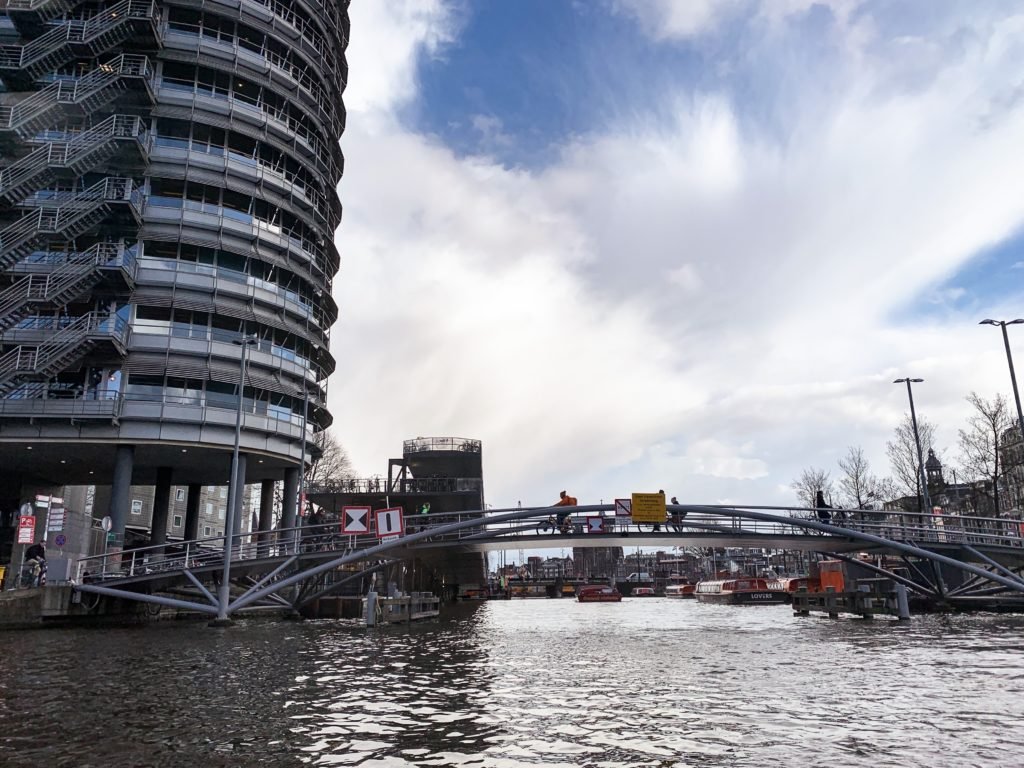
{"type": "Point", "coordinates": [696, 523]}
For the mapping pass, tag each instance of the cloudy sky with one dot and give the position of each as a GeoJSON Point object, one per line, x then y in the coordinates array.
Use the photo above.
{"type": "Point", "coordinates": [679, 244]}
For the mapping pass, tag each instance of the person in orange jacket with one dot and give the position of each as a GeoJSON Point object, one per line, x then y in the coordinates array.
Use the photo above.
{"type": "Point", "coordinates": [564, 500]}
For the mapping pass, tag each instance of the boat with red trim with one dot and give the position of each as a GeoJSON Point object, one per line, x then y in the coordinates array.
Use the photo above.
{"type": "Point", "coordinates": [685, 591]}
{"type": "Point", "coordinates": [598, 593]}
{"type": "Point", "coordinates": [793, 584]}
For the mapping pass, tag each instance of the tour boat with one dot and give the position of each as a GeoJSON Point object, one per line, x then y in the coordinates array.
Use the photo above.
{"type": "Point", "coordinates": [680, 591]}
{"type": "Point", "coordinates": [792, 584]}
{"type": "Point", "coordinates": [598, 593]}
{"type": "Point", "coordinates": [740, 591]}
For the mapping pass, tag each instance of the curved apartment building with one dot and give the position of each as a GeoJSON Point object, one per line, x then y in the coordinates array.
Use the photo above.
{"type": "Point", "coordinates": [167, 204]}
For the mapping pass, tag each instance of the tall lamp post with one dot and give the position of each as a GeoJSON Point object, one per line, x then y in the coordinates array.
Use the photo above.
{"type": "Point", "coordinates": [224, 593]}
{"type": "Point", "coordinates": [1013, 376]}
{"type": "Point", "coordinates": [917, 441]}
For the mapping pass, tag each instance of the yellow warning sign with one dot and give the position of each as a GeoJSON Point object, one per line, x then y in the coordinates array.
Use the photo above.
{"type": "Point", "coordinates": [648, 507]}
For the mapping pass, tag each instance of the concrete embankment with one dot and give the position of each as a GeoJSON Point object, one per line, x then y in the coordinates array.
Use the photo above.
{"type": "Point", "coordinates": [62, 606]}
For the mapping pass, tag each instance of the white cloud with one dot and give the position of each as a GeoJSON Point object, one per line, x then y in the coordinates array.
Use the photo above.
{"type": "Point", "coordinates": [681, 304]}
{"type": "Point", "coordinates": [684, 19]}
{"type": "Point", "coordinates": [387, 39]}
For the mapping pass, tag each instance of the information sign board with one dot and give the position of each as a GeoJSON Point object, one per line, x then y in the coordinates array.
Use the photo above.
{"type": "Point", "coordinates": [26, 529]}
{"type": "Point", "coordinates": [55, 520]}
{"type": "Point", "coordinates": [623, 507]}
{"type": "Point", "coordinates": [648, 507]}
{"type": "Point", "coordinates": [595, 524]}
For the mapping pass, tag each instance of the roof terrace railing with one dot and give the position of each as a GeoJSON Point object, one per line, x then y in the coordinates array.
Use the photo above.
{"type": "Point", "coordinates": [421, 444]}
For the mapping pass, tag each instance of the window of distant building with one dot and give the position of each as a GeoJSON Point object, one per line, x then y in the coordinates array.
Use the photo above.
{"type": "Point", "coordinates": [136, 507]}
{"type": "Point", "coordinates": [207, 530]}
{"type": "Point", "coordinates": [179, 494]}
{"type": "Point", "coordinates": [177, 521]}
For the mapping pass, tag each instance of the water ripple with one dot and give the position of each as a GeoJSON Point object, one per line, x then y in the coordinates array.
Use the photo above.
{"type": "Point", "coordinates": [540, 682]}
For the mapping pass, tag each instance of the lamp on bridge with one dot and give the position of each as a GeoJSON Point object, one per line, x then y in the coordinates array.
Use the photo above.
{"type": "Point", "coordinates": [917, 442]}
{"type": "Point", "coordinates": [1009, 359]}
{"type": "Point", "coordinates": [235, 486]}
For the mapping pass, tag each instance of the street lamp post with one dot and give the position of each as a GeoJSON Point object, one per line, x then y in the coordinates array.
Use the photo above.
{"type": "Point", "coordinates": [224, 593]}
{"type": "Point", "coordinates": [917, 442]}
{"type": "Point", "coordinates": [1013, 376]}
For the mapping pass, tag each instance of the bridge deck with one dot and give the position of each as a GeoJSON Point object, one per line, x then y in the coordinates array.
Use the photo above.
{"type": "Point", "coordinates": [977, 539]}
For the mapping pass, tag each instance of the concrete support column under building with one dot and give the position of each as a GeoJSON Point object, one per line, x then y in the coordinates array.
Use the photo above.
{"type": "Point", "coordinates": [291, 497]}
{"type": "Point", "coordinates": [192, 511]}
{"type": "Point", "coordinates": [161, 506]}
{"type": "Point", "coordinates": [267, 505]}
{"type": "Point", "coordinates": [121, 492]}
{"type": "Point", "coordinates": [238, 497]}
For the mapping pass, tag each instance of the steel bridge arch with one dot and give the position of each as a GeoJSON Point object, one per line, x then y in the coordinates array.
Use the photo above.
{"type": "Point", "coordinates": [268, 586]}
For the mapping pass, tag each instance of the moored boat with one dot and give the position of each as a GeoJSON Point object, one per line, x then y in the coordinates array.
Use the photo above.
{"type": "Point", "coordinates": [685, 591]}
{"type": "Point", "coordinates": [643, 592]}
{"type": "Point", "coordinates": [792, 584]}
{"type": "Point", "coordinates": [741, 591]}
{"type": "Point", "coordinates": [598, 593]}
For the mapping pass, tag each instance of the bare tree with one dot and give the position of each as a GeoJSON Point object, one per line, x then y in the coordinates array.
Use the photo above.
{"type": "Point", "coordinates": [330, 462]}
{"type": "Point", "coordinates": [903, 457]}
{"type": "Point", "coordinates": [810, 482]}
{"type": "Point", "coordinates": [980, 442]}
{"type": "Point", "coordinates": [858, 486]}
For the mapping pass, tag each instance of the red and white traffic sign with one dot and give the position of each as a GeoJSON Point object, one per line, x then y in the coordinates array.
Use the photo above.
{"type": "Point", "coordinates": [595, 525]}
{"type": "Point", "coordinates": [355, 519]}
{"type": "Point", "coordinates": [390, 522]}
{"type": "Point", "coordinates": [623, 507]}
{"type": "Point", "coordinates": [26, 529]}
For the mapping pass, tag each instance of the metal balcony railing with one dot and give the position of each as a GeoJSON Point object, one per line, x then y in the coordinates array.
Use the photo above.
{"type": "Point", "coordinates": [66, 40]}
{"type": "Point", "coordinates": [421, 444]}
{"type": "Point", "coordinates": [87, 93]}
{"type": "Point", "coordinates": [417, 485]}
{"type": "Point", "coordinates": [79, 154]}
{"type": "Point", "coordinates": [38, 402]}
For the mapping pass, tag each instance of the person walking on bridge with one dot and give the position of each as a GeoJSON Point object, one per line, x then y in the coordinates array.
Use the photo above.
{"type": "Point", "coordinates": [675, 517]}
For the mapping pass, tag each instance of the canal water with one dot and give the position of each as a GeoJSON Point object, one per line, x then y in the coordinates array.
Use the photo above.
{"type": "Point", "coordinates": [645, 682]}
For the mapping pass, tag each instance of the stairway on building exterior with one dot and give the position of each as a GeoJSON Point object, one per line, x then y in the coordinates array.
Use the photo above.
{"type": "Point", "coordinates": [30, 15]}
{"type": "Point", "coordinates": [67, 217]}
{"type": "Point", "coordinates": [20, 65]}
{"type": "Point", "coordinates": [57, 352]}
{"type": "Point", "coordinates": [69, 280]}
{"type": "Point", "coordinates": [83, 152]}
{"type": "Point", "coordinates": [83, 95]}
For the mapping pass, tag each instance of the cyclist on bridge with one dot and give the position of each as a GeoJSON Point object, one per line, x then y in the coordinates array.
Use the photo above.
{"type": "Point", "coordinates": [564, 500]}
